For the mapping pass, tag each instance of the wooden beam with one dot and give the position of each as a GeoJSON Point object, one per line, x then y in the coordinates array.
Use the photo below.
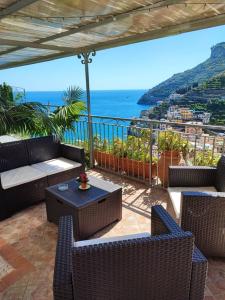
{"type": "Point", "coordinates": [11, 50]}
{"type": "Point", "coordinates": [14, 7]}
{"type": "Point", "coordinates": [34, 60]}
{"type": "Point", "coordinates": [93, 25]}
{"type": "Point", "coordinates": [23, 44]}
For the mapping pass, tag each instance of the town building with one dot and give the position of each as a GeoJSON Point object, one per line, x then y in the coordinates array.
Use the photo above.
{"type": "Point", "coordinates": [186, 113]}
{"type": "Point", "coordinates": [164, 126]}
{"type": "Point", "coordinates": [175, 112]}
{"type": "Point", "coordinates": [192, 130]}
{"type": "Point", "coordinates": [175, 96]}
{"type": "Point", "coordinates": [179, 113]}
{"type": "Point", "coordinates": [202, 115]}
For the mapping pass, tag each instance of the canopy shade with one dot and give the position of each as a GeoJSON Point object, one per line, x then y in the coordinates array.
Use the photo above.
{"type": "Point", "coordinates": [33, 31]}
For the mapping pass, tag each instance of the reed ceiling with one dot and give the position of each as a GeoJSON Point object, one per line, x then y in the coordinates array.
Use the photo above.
{"type": "Point", "coordinates": [35, 31]}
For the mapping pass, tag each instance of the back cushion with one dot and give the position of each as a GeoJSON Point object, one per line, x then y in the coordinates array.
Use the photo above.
{"type": "Point", "coordinates": [43, 148]}
{"type": "Point", "coordinates": [13, 155]}
{"type": "Point", "coordinates": [220, 175]}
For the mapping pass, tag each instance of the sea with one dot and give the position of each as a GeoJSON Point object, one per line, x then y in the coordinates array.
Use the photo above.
{"type": "Point", "coordinates": [113, 103]}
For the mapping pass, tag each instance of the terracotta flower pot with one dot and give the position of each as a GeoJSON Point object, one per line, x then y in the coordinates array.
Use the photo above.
{"type": "Point", "coordinates": [83, 185]}
{"type": "Point", "coordinates": [123, 164]}
{"type": "Point", "coordinates": [136, 168]}
{"type": "Point", "coordinates": [106, 160]}
{"type": "Point", "coordinates": [167, 158]}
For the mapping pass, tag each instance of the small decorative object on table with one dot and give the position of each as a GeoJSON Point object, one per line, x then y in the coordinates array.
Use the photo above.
{"type": "Point", "coordinates": [83, 179]}
{"type": "Point", "coordinates": [63, 187]}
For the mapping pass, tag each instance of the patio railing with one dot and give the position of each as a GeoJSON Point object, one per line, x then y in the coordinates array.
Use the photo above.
{"type": "Point", "coordinates": [143, 149]}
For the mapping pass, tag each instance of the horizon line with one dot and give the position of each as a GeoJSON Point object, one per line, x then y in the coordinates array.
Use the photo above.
{"type": "Point", "coordinates": [92, 90]}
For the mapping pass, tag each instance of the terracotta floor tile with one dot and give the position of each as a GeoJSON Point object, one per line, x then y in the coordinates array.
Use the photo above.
{"type": "Point", "coordinates": [31, 242]}
{"type": "Point", "coordinates": [220, 297]}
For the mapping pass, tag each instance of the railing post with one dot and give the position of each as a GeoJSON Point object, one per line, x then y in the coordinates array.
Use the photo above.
{"type": "Point", "coordinates": [150, 154]}
{"type": "Point", "coordinates": [48, 108]}
{"type": "Point", "coordinates": [85, 61]}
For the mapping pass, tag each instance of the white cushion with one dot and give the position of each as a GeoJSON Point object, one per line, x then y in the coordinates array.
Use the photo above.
{"type": "Point", "coordinates": [111, 239]}
{"type": "Point", "coordinates": [175, 195]}
{"type": "Point", "coordinates": [20, 176]}
{"type": "Point", "coordinates": [57, 165]}
{"type": "Point", "coordinates": [8, 138]}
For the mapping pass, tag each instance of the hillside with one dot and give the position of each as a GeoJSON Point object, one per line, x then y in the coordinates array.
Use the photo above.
{"type": "Point", "coordinates": [211, 89]}
{"type": "Point", "coordinates": [208, 96]}
{"type": "Point", "coordinates": [201, 73]}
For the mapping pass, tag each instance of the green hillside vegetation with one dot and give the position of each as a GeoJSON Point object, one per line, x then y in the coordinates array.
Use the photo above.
{"type": "Point", "coordinates": [208, 96]}
{"type": "Point", "coordinates": [199, 74]}
{"type": "Point", "coordinates": [216, 108]}
{"type": "Point", "coordinates": [158, 112]}
{"type": "Point", "coordinates": [217, 82]}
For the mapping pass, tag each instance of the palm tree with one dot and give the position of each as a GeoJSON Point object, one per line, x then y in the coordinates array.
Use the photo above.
{"type": "Point", "coordinates": [33, 118]}
{"type": "Point", "coordinates": [22, 118]}
{"type": "Point", "coordinates": [65, 116]}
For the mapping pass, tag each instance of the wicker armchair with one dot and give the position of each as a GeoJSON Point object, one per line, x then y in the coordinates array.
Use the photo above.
{"type": "Point", "coordinates": [202, 204]}
{"type": "Point", "coordinates": [159, 266]}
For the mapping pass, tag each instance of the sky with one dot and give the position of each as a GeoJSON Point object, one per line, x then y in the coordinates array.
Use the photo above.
{"type": "Point", "coordinates": [136, 66]}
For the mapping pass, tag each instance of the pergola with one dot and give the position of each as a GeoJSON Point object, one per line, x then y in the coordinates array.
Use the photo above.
{"type": "Point", "coordinates": [33, 31]}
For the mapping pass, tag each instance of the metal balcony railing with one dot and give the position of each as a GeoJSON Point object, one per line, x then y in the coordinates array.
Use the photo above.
{"type": "Point", "coordinates": [143, 149]}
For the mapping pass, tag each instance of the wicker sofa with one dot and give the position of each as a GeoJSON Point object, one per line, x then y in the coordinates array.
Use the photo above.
{"type": "Point", "coordinates": [27, 167]}
{"type": "Point", "coordinates": [198, 197]}
{"type": "Point", "coordinates": [164, 265]}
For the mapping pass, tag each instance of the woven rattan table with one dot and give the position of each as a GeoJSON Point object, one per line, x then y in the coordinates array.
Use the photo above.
{"type": "Point", "coordinates": [92, 209]}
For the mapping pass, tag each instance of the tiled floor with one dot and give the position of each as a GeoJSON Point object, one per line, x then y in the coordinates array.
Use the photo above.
{"type": "Point", "coordinates": [27, 244]}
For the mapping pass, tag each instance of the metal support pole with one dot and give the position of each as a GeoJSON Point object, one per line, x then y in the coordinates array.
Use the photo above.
{"type": "Point", "coordinates": [150, 154]}
{"type": "Point", "coordinates": [85, 60]}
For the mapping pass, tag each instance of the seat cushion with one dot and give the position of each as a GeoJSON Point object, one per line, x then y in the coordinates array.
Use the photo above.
{"type": "Point", "coordinates": [111, 239]}
{"type": "Point", "coordinates": [175, 195]}
{"type": "Point", "coordinates": [20, 176]}
{"type": "Point", "coordinates": [56, 165]}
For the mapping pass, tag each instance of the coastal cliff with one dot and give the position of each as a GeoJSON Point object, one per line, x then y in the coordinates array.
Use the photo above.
{"type": "Point", "coordinates": [199, 74]}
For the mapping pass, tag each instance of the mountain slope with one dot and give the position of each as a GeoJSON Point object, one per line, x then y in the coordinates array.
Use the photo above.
{"type": "Point", "coordinates": [202, 72]}
{"type": "Point", "coordinates": [211, 89]}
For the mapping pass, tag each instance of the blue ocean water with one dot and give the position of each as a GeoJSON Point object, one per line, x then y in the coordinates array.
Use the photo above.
{"type": "Point", "coordinates": [113, 103]}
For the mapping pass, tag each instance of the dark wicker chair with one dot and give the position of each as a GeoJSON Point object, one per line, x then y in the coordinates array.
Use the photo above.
{"type": "Point", "coordinates": [162, 266]}
{"type": "Point", "coordinates": [203, 212]}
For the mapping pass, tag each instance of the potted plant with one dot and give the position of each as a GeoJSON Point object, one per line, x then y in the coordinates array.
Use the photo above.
{"type": "Point", "coordinates": [104, 153]}
{"type": "Point", "coordinates": [172, 147]}
{"type": "Point", "coordinates": [135, 160]}
{"type": "Point", "coordinates": [83, 179]}
{"type": "Point", "coordinates": [139, 168]}
{"type": "Point", "coordinates": [207, 158]}
{"type": "Point", "coordinates": [130, 156]}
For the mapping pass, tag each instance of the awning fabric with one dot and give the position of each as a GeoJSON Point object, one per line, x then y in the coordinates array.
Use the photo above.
{"type": "Point", "coordinates": [33, 31]}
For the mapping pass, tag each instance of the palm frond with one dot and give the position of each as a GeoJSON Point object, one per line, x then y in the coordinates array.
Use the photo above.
{"type": "Point", "coordinates": [6, 95]}
{"type": "Point", "coordinates": [27, 118]}
{"type": "Point", "coordinates": [65, 116]}
{"type": "Point", "coordinates": [33, 118]}
{"type": "Point", "coordinates": [73, 94]}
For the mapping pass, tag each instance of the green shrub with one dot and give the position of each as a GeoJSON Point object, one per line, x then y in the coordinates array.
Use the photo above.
{"type": "Point", "coordinates": [134, 147]}
{"type": "Point", "coordinates": [206, 158]}
{"type": "Point", "coordinates": [169, 141]}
